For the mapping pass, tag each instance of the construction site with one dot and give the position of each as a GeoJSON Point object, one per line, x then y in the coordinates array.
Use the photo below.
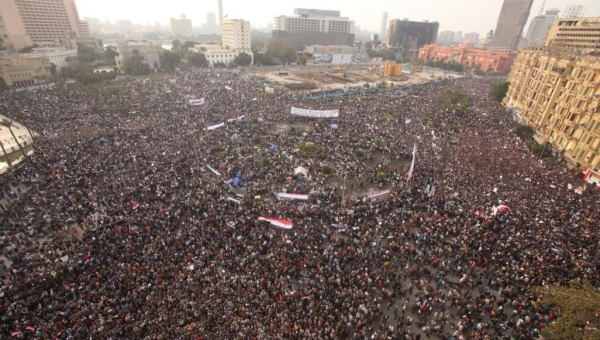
{"type": "Point", "coordinates": [322, 77]}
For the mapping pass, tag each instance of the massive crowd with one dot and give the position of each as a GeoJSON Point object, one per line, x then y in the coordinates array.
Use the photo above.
{"type": "Point", "coordinates": [165, 255]}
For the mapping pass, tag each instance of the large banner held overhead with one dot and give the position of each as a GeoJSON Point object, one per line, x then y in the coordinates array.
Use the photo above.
{"type": "Point", "coordinates": [315, 113]}
{"type": "Point", "coordinates": [215, 126]}
{"type": "Point", "coordinates": [196, 102]}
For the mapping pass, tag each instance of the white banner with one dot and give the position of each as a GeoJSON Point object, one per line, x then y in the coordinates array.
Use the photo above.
{"type": "Point", "coordinates": [215, 126]}
{"type": "Point", "coordinates": [213, 170]}
{"type": "Point", "coordinates": [231, 199]}
{"type": "Point", "coordinates": [412, 164]}
{"type": "Point", "coordinates": [283, 195]}
{"type": "Point", "coordinates": [238, 118]}
{"type": "Point", "coordinates": [379, 194]}
{"type": "Point", "coordinates": [197, 101]}
{"type": "Point", "coordinates": [315, 113]}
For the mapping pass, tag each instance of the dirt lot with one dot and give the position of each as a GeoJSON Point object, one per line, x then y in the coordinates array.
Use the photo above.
{"type": "Point", "coordinates": [323, 77]}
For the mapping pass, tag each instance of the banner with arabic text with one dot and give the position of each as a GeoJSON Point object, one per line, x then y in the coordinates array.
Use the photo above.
{"type": "Point", "coordinates": [315, 113]}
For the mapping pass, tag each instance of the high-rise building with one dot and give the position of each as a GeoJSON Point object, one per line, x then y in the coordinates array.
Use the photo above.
{"type": "Point", "coordinates": [124, 26]}
{"type": "Point", "coordinates": [44, 21]}
{"type": "Point", "coordinates": [182, 26]}
{"type": "Point", "coordinates": [235, 34]}
{"type": "Point", "coordinates": [445, 38]}
{"type": "Point", "coordinates": [458, 37]}
{"type": "Point", "coordinates": [538, 28]}
{"type": "Point", "coordinates": [211, 22]}
{"type": "Point", "coordinates": [408, 36]}
{"type": "Point", "coordinates": [220, 12]}
{"type": "Point", "coordinates": [472, 37]}
{"type": "Point", "coordinates": [94, 24]}
{"type": "Point", "coordinates": [384, 23]}
{"type": "Point", "coordinates": [511, 21]}
{"type": "Point", "coordinates": [314, 27]}
{"type": "Point", "coordinates": [557, 92]}
{"type": "Point", "coordinates": [582, 33]}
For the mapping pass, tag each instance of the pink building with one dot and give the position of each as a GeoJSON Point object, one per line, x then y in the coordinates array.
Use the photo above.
{"type": "Point", "coordinates": [466, 54]}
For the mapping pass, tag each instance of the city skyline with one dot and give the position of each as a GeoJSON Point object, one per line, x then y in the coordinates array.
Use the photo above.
{"type": "Point", "coordinates": [463, 15]}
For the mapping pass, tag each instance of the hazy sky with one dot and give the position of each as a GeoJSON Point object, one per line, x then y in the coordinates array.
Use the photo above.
{"type": "Point", "coordinates": [466, 15]}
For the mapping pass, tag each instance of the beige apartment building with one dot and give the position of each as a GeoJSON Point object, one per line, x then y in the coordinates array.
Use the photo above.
{"type": "Point", "coordinates": [581, 33]}
{"type": "Point", "coordinates": [558, 94]}
{"type": "Point", "coordinates": [44, 21]}
{"type": "Point", "coordinates": [23, 72]}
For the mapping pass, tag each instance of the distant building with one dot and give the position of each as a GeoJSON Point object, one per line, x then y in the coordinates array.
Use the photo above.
{"type": "Point", "coordinates": [556, 91]}
{"type": "Point", "coordinates": [217, 53]}
{"type": "Point", "coordinates": [384, 23]}
{"type": "Point", "coordinates": [57, 55]}
{"type": "Point", "coordinates": [182, 26]}
{"type": "Point", "coordinates": [445, 38]}
{"type": "Point", "coordinates": [211, 22]}
{"type": "Point", "coordinates": [12, 43]}
{"type": "Point", "coordinates": [581, 33]}
{"type": "Point", "coordinates": [538, 28]}
{"type": "Point", "coordinates": [458, 37]}
{"type": "Point", "coordinates": [94, 24]}
{"type": "Point", "coordinates": [235, 37]}
{"type": "Point", "coordinates": [314, 27]}
{"type": "Point", "coordinates": [473, 38]}
{"type": "Point", "coordinates": [23, 72]}
{"type": "Point", "coordinates": [220, 3]}
{"type": "Point", "coordinates": [151, 53]}
{"type": "Point", "coordinates": [511, 21]}
{"type": "Point", "coordinates": [43, 21]}
{"type": "Point", "coordinates": [466, 54]}
{"type": "Point", "coordinates": [408, 36]}
{"type": "Point", "coordinates": [124, 26]}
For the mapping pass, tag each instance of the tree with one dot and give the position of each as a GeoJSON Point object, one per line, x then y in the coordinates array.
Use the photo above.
{"type": "Point", "coordinates": [242, 59]}
{"type": "Point", "coordinates": [91, 78]}
{"type": "Point", "coordinates": [500, 89]}
{"type": "Point", "coordinates": [196, 59]}
{"type": "Point", "coordinates": [175, 46]}
{"type": "Point", "coordinates": [257, 44]}
{"type": "Point", "coordinates": [135, 64]}
{"type": "Point", "coordinates": [110, 54]}
{"type": "Point", "coordinates": [220, 64]}
{"type": "Point", "coordinates": [302, 60]}
{"type": "Point", "coordinates": [169, 60]}
{"type": "Point", "coordinates": [576, 307]}
{"type": "Point", "coordinates": [281, 49]}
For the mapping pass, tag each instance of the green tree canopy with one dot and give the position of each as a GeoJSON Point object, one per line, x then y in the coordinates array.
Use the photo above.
{"type": "Point", "coordinates": [169, 60]}
{"type": "Point", "coordinates": [196, 59]}
{"type": "Point", "coordinates": [135, 64]}
{"type": "Point", "coordinates": [500, 89]}
{"type": "Point", "coordinates": [281, 49]}
{"type": "Point", "coordinates": [110, 54]}
{"type": "Point", "coordinates": [243, 59]}
{"type": "Point", "coordinates": [577, 306]}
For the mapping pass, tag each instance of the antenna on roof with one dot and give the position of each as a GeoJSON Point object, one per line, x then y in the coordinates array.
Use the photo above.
{"type": "Point", "coordinates": [542, 9]}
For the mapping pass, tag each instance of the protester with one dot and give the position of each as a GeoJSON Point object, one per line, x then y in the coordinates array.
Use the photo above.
{"type": "Point", "coordinates": [163, 253]}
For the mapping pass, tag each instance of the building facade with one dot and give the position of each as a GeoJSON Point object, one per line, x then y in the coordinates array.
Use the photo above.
{"type": "Point", "coordinates": [181, 26]}
{"type": "Point", "coordinates": [538, 28]}
{"type": "Point", "coordinates": [314, 27]}
{"type": "Point", "coordinates": [150, 52]}
{"type": "Point", "coordinates": [235, 33]}
{"type": "Point", "coordinates": [44, 21]}
{"type": "Point", "coordinates": [581, 33]}
{"type": "Point", "coordinates": [56, 55]}
{"type": "Point", "coordinates": [472, 37]}
{"type": "Point", "coordinates": [558, 94]}
{"type": "Point", "coordinates": [211, 22]}
{"type": "Point", "coordinates": [384, 23]}
{"type": "Point", "coordinates": [466, 54]}
{"type": "Point", "coordinates": [511, 22]}
{"type": "Point", "coordinates": [408, 36]}
{"type": "Point", "coordinates": [23, 72]}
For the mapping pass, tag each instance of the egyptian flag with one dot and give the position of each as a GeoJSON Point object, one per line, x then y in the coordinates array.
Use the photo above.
{"type": "Point", "coordinates": [284, 224]}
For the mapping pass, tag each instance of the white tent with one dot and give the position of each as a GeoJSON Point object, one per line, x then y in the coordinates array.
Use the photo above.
{"type": "Point", "coordinates": [301, 170]}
